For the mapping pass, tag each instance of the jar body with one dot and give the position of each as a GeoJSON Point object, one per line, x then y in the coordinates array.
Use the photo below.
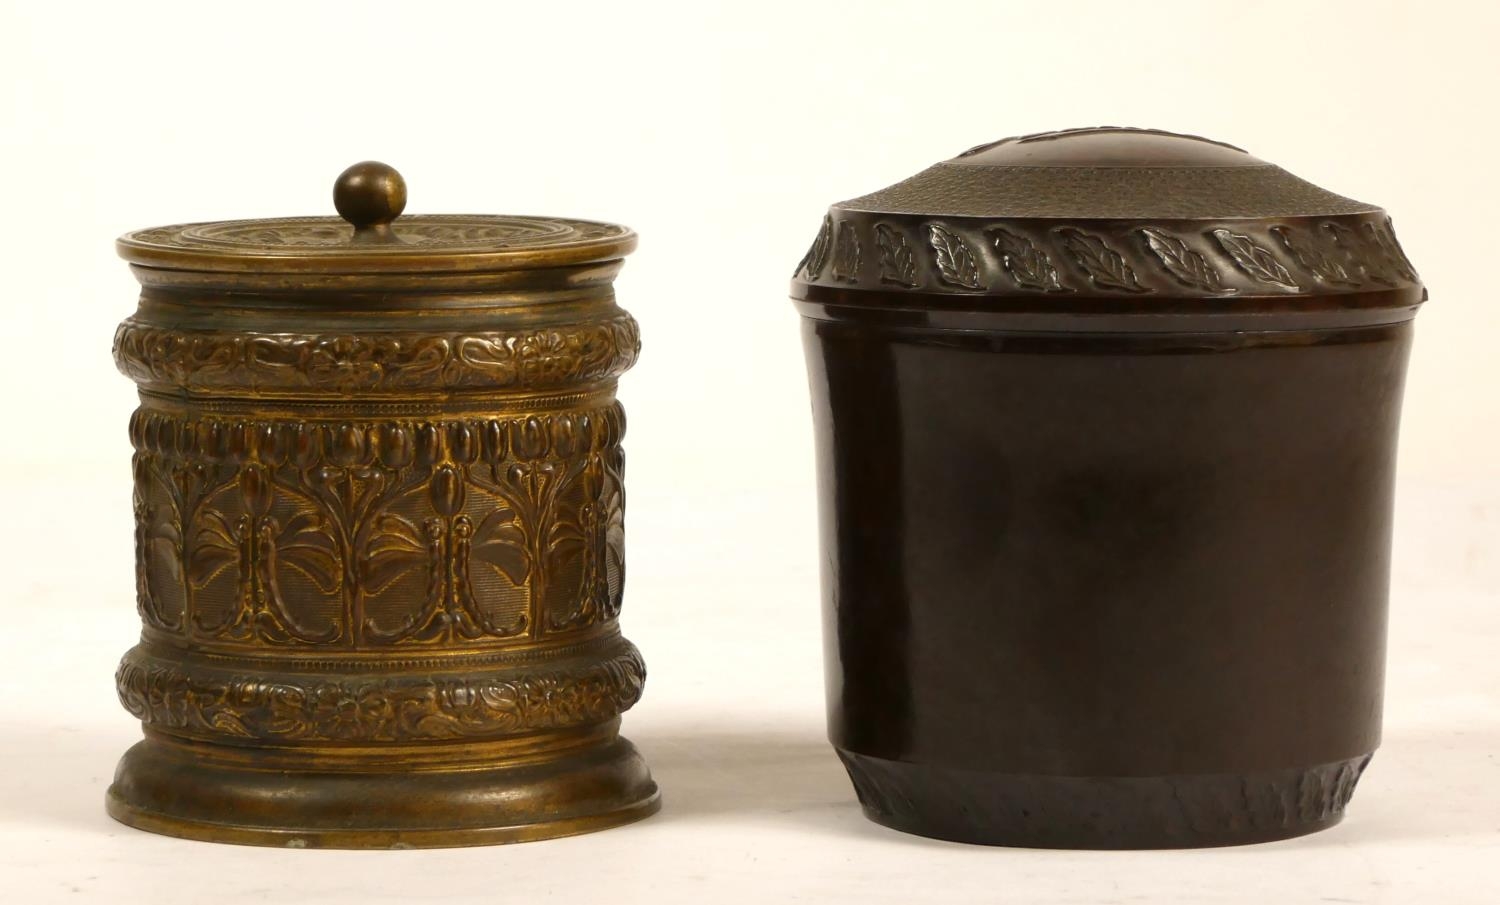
{"type": "Point", "coordinates": [379, 565]}
{"type": "Point", "coordinates": [1104, 590]}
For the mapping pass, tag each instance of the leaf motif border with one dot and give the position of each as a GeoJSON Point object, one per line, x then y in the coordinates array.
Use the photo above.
{"type": "Point", "coordinates": [1306, 256]}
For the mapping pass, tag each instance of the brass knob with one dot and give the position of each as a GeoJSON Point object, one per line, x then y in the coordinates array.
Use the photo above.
{"type": "Point", "coordinates": [370, 195]}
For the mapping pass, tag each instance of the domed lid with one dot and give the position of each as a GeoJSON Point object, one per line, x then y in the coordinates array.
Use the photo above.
{"type": "Point", "coordinates": [1106, 220]}
{"type": "Point", "coordinates": [371, 237]}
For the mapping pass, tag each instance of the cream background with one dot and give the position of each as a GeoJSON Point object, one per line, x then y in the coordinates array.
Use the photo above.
{"type": "Point", "coordinates": [720, 132]}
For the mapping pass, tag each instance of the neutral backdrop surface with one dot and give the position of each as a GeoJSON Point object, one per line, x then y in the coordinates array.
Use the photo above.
{"type": "Point", "coordinates": [720, 132]}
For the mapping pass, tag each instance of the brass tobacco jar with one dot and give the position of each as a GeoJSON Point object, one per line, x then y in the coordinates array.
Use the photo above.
{"type": "Point", "coordinates": [379, 529]}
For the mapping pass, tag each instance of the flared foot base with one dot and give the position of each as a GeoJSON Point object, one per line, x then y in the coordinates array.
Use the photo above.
{"type": "Point", "coordinates": [1034, 811]}
{"type": "Point", "coordinates": [163, 788]}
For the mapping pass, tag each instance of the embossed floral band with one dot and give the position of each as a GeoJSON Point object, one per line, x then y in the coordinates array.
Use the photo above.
{"type": "Point", "coordinates": [1106, 425]}
{"type": "Point", "coordinates": [379, 529]}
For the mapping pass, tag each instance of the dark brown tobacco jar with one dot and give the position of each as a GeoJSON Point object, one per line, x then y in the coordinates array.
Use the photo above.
{"type": "Point", "coordinates": [1106, 426]}
{"type": "Point", "coordinates": [379, 528]}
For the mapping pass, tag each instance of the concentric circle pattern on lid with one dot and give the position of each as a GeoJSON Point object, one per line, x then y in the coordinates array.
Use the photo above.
{"type": "Point", "coordinates": [373, 237]}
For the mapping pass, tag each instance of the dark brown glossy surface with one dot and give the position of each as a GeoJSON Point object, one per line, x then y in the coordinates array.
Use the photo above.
{"type": "Point", "coordinates": [1105, 565]}
{"type": "Point", "coordinates": [379, 502]}
{"type": "Point", "coordinates": [1088, 557]}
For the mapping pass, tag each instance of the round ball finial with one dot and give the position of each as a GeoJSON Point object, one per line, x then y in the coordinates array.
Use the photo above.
{"type": "Point", "coordinates": [370, 195]}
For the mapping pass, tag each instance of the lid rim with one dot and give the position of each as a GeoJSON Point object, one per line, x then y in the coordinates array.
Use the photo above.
{"type": "Point", "coordinates": [1394, 297]}
{"type": "Point", "coordinates": [1087, 258]}
{"type": "Point", "coordinates": [358, 261]}
{"type": "Point", "coordinates": [230, 246]}
{"type": "Point", "coordinates": [1066, 219]}
{"type": "Point", "coordinates": [976, 219]}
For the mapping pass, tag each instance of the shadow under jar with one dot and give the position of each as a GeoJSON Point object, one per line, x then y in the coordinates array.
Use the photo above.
{"type": "Point", "coordinates": [379, 529]}
{"type": "Point", "coordinates": [1106, 425]}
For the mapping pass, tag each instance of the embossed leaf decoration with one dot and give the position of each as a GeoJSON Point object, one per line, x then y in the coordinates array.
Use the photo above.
{"type": "Point", "coordinates": [1315, 259]}
{"type": "Point", "coordinates": [817, 255]}
{"type": "Point", "coordinates": [307, 548]}
{"type": "Point", "coordinates": [408, 362]}
{"type": "Point", "coordinates": [614, 507]}
{"type": "Point", "coordinates": [1103, 264]}
{"type": "Point", "coordinates": [896, 264]}
{"type": "Point", "coordinates": [229, 724]}
{"type": "Point", "coordinates": [163, 549]}
{"type": "Point", "coordinates": [955, 260]}
{"type": "Point", "coordinates": [1026, 264]}
{"type": "Point", "coordinates": [567, 537]}
{"type": "Point", "coordinates": [1189, 267]}
{"type": "Point", "coordinates": [287, 711]}
{"type": "Point", "coordinates": [162, 536]}
{"type": "Point", "coordinates": [1392, 260]}
{"type": "Point", "coordinates": [215, 548]}
{"type": "Point", "coordinates": [846, 254]}
{"type": "Point", "coordinates": [500, 544]}
{"type": "Point", "coordinates": [350, 490]}
{"type": "Point", "coordinates": [1254, 260]}
{"type": "Point", "coordinates": [1370, 261]}
{"type": "Point", "coordinates": [457, 710]}
{"type": "Point", "coordinates": [1385, 236]}
{"type": "Point", "coordinates": [1347, 243]}
{"type": "Point", "coordinates": [615, 544]}
{"type": "Point", "coordinates": [397, 549]}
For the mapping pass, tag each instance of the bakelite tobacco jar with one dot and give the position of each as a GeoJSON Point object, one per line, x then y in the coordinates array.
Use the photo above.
{"type": "Point", "coordinates": [1106, 427]}
{"type": "Point", "coordinates": [379, 528]}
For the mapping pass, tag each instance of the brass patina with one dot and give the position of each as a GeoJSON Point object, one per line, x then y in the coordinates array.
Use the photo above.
{"type": "Point", "coordinates": [379, 529]}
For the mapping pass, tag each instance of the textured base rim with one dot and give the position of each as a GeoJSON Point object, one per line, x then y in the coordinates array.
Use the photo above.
{"type": "Point", "coordinates": [156, 790]}
{"type": "Point", "coordinates": [1070, 812]}
{"type": "Point", "coordinates": [1098, 844]}
{"type": "Point", "coordinates": [206, 831]}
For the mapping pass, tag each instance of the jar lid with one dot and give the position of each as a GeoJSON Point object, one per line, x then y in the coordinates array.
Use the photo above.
{"type": "Point", "coordinates": [370, 236]}
{"type": "Point", "coordinates": [1107, 220]}
{"type": "Point", "coordinates": [373, 303]}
